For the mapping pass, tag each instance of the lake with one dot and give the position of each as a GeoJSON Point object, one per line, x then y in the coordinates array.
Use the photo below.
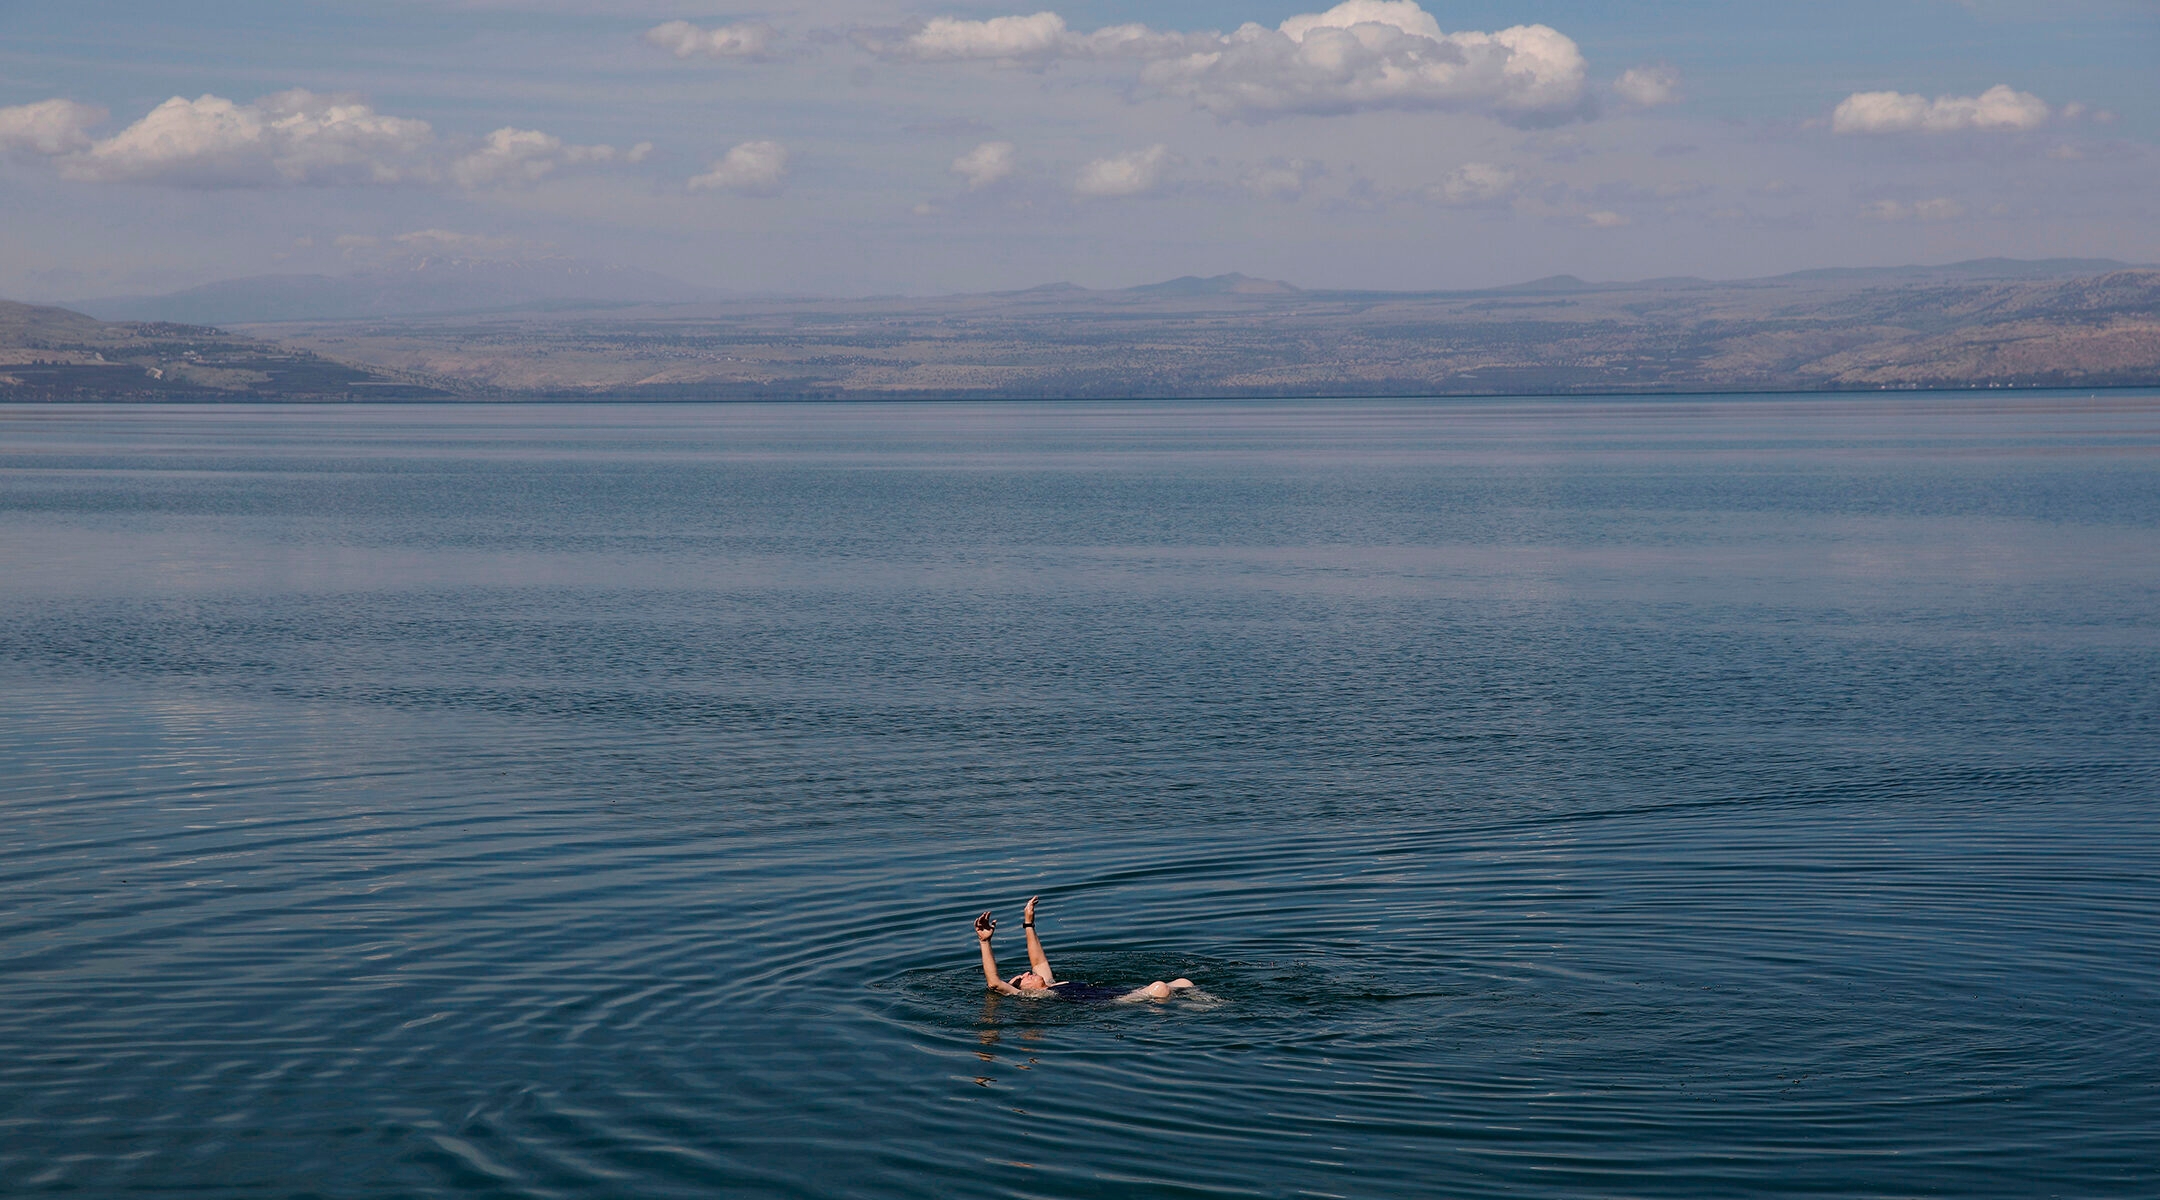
{"type": "Point", "coordinates": [1713, 796]}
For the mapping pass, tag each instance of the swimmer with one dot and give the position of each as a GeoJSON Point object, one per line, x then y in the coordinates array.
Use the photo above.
{"type": "Point", "coordinates": [1038, 980]}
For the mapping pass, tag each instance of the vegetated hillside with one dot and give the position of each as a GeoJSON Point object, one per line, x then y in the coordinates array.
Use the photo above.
{"type": "Point", "coordinates": [56, 354]}
{"type": "Point", "coordinates": [1979, 324]}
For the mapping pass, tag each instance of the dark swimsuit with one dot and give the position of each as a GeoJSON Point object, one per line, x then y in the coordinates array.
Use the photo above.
{"type": "Point", "coordinates": [1066, 989]}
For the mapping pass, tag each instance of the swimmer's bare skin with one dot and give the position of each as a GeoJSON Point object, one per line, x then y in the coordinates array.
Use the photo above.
{"type": "Point", "coordinates": [1038, 979]}
{"type": "Point", "coordinates": [985, 926]}
{"type": "Point", "coordinates": [1036, 958]}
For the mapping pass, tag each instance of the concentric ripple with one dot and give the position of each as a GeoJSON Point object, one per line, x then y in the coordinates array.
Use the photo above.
{"type": "Point", "coordinates": [1706, 798]}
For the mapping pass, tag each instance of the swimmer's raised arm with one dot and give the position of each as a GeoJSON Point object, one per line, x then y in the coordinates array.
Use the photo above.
{"type": "Point", "coordinates": [1037, 960]}
{"type": "Point", "coordinates": [985, 925]}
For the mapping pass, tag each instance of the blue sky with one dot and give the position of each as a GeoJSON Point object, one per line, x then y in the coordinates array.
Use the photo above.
{"type": "Point", "coordinates": [868, 146]}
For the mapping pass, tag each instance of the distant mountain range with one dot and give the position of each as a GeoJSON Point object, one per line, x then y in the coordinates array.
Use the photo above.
{"type": "Point", "coordinates": [1217, 285]}
{"type": "Point", "coordinates": [1988, 323]}
{"type": "Point", "coordinates": [1977, 268]}
{"type": "Point", "coordinates": [420, 285]}
{"type": "Point", "coordinates": [1972, 270]}
{"type": "Point", "coordinates": [452, 327]}
{"type": "Point", "coordinates": [424, 285]}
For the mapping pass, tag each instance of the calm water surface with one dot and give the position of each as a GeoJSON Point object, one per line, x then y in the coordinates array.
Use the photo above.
{"type": "Point", "coordinates": [1705, 798]}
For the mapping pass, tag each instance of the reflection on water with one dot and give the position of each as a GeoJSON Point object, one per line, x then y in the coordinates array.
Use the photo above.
{"type": "Point", "coordinates": [1650, 798]}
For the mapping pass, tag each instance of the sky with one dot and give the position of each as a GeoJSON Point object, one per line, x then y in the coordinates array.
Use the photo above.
{"type": "Point", "coordinates": [864, 147]}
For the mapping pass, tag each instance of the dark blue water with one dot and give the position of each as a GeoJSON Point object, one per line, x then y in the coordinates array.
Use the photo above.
{"type": "Point", "coordinates": [1705, 798]}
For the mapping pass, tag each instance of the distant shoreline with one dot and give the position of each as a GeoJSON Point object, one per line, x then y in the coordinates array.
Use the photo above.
{"type": "Point", "coordinates": [1825, 332]}
{"type": "Point", "coordinates": [569, 399]}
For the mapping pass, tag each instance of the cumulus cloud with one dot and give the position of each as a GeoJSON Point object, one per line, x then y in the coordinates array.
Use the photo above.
{"type": "Point", "coordinates": [752, 169]}
{"type": "Point", "coordinates": [1124, 174]}
{"type": "Point", "coordinates": [292, 138]}
{"type": "Point", "coordinates": [749, 39]}
{"type": "Point", "coordinates": [1034, 39]}
{"type": "Point", "coordinates": [1476, 183]}
{"type": "Point", "coordinates": [1360, 54]}
{"type": "Point", "coordinates": [2000, 109]}
{"type": "Point", "coordinates": [296, 138]}
{"type": "Point", "coordinates": [1604, 219]}
{"type": "Point", "coordinates": [1648, 87]}
{"type": "Point", "coordinates": [986, 164]}
{"type": "Point", "coordinates": [1367, 54]}
{"type": "Point", "coordinates": [1939, 209]}
{"type": "Point", "coordinates": [999, 39]}
{"type": "Point", "coordinates": [48, 127]}
{"type": "Point", "coordinates": [520, 157]}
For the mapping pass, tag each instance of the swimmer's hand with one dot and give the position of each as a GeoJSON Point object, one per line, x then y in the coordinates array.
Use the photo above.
{"type": "Point", "coordinates": [985, 925]}
{"type": "Point", "coordinates": [1027, 915]}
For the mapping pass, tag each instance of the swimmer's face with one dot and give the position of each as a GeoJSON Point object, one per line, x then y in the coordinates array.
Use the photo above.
{"type": "Point", "coordinates": [1031, 982]}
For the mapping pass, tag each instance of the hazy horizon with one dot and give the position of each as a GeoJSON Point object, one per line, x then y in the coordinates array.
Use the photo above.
{"type": "Point", "coordinates": [717, 295]}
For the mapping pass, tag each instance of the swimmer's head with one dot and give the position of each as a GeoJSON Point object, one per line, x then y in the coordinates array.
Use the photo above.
{"type": "Point", "coordinates": [1030, 982]}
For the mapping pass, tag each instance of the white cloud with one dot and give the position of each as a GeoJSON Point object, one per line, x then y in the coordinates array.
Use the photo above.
{"type": "Point", "coordinates": [292, 138]}
{"type": "Point", "coordinates": [1361, 54]}
{"type": "Point", "coordinates": [749, 39]}
{"type": "Point", "coordinates": [1009, 39]}
{"type": "Point", "coordinates": [1648, 87]}
{"type": "Point", "coordinates": [1939, 209]}
{"type": "Point", "coordinates": [2000, 109]}
{"type": "Point", "coordinates": [520, 157]}
{"type": "Point", "coordinates": [48, 127]}
{"type": "Point", "coordinates": [1024, 40]}
{"type": "Point", "coordinates": [986, 164]}
{"type": "Point", "coordinates": [1603, 219]}
{"type": "Point", "coordinates": [752, 168]}
{"type": "Point", "coordinates": [1402, 15]}
{"type": "Point", "coordinates": [1282, 179]}
{"type": "Point", "coordinates": [1368, 54]}
{"type": "Point", "coordinates": [1476, 183]}
{"type": "Point", "coordinates": [1124, 174]}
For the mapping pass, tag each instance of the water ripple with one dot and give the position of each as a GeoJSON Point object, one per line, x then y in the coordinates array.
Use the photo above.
{"type": "Point", "coordinates": [1580, 799]}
